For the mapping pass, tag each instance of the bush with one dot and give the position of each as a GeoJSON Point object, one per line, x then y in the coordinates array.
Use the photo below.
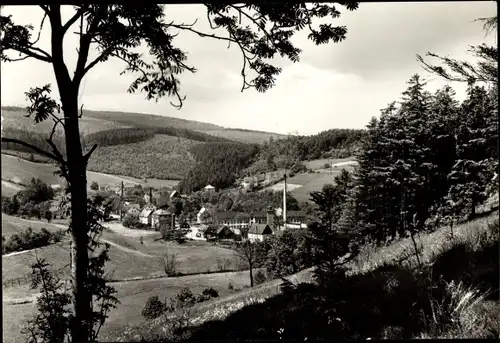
{"type": "Point", "coordinates": [211, 292]}
{"type": "Point", "coordinates": [27, 240]}
{"type": "Point", "coordinates": [94, 186]}
{"type": "Point", "coordinates": [130, 221]}
{"type": "Point", "coordinates": [201, 298]}
{"type": "Point", "coordinates": [230, 287]}
{"type": "Point", "coordinates": [153, 308]}
{"type": "Point", "coordinates": [185, 297]}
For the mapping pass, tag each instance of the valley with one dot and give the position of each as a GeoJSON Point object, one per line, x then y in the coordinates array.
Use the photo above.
{"type": "Point", "coordinates": [138, 224]}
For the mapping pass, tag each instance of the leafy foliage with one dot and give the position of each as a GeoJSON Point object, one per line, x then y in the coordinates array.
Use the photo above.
{"type": "Point", "coordinates": [153, 308]}
{"type": "Point", "coordinates": [52, 322]}
{"type": "Point", "coordinates": [27, 240]}
{"type": "Point", "coordinates": [288, 253]}
{"type": "Point", "coordinates": [36, 192]}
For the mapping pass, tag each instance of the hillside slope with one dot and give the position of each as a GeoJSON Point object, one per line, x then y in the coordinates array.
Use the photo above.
{"type": "Point", "coordinates": [20, 172]}
{"type": "Point", "coordinates": [94, 121]}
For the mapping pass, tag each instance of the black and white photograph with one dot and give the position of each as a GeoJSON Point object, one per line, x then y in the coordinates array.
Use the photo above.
{"type": "Point", "coordinates": [264, 171]}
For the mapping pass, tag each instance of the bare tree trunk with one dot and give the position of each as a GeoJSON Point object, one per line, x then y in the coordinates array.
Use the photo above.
{"type": "Point", "coordinates": [79, 228]}
{"type": "Point", "coordinates": [251, 274]}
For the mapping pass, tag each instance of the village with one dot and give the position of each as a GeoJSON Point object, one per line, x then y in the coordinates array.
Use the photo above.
{"type": "Point", "coordinates": [207, 225]}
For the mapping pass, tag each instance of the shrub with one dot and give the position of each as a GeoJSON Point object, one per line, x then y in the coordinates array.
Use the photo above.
{"type": "Point", "coordinates": [153, 308]}
{"type": "Point", "coordinates": [129, 221]}
{"type": "Point", "coordinates": [28, 239]}
{"type": "Point", "coordinates": [185, 297]}
{"type": "Point", "coordinates": [94, 186]}
{"type": "Point", "coordinates": [202, 297]}
{"type": "Point", "coordinates": [230, 287]}
{"type": "Point", "coordinates": [326, 166]}
{"type": "Point", "coordinates": [211, 292]}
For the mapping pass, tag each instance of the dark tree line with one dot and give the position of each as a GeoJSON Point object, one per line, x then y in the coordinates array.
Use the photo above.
{"type": "Point", "coordinates": [138, 134]}
{"type": "Point", "coordinates": [218, 164]}
{"type": "Point", "coordinates": [426, 156]}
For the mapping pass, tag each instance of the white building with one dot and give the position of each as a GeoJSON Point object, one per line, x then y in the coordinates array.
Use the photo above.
{"type": "Point", "coordinates": [209, 188]}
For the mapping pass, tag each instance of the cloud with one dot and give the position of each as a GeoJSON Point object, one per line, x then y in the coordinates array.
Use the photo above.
{"type": "Point", "coordinates": [339, 85]}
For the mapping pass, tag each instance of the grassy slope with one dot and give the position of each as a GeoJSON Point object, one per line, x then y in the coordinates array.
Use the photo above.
{"type": "Point", "coordinates": [301, 185]}
{"type": "Point", "coordinates": [16, 118]}
{"type": "Point", "coordinates": [21, 171]}
{"type": "Point", "coordinates": [12, 224]}
{"type": "Point", "coordinates": [166, 157]}
{"type": "Point", "coordinates": [369, 260]}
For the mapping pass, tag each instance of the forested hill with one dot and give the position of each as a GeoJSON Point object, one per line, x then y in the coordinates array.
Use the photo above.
{"type": "Point", "coordinates": [333, 143]}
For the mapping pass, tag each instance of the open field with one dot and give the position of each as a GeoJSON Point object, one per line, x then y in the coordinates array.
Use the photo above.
{"type": "Point", "coordinates": [129, 258]}
{"type": "Point", "coordinates": [12, 224]}
{"type": "Point", "coordinates": [320, 163]}
{"type": "Point", "coordinates": [22, 171]}
{"type": "Point", "coordinates": [301, 185]}
{"type": "Point", "coordinates": [165, 156]}
{"type": "Point", "coordinates": [132, 295]}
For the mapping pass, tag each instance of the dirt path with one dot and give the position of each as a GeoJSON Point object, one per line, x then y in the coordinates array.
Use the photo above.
{"type": "Point", "coordinates": [120, 229]}
{"type": "Point", "coordinates": [121, 247]}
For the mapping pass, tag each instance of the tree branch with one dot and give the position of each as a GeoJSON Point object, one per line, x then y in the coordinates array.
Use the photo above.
{"type": "Point", "coordinates": [89, 154]}
{"type": "Point", "coordinates": [74, 18]}
{"type": "Point", "coordinates": [32, 147]}
{"type": "Point", "coordinates": [85, 41]}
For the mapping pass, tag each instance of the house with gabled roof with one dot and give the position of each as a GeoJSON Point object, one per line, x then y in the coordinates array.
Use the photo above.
{"type": "Point", "coordinates": [146, 215]}
{"type": "Point", "coordinates": [259, 232]}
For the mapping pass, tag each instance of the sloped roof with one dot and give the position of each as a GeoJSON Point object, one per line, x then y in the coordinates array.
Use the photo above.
{"type": "Point", "coordinates": [146, 212]}
{"type": "Point", "coordinates": [260, 229]}
{"type": "Point", "coordinates": [209, 187]}
{"type": "Point", "coordinates": [174, 193]}
{"type": "Point", "coordinates": [161, 212]}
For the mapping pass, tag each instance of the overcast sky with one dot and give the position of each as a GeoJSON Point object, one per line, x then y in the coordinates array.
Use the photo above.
{"type": "Point", "coordinates": [335, 86]}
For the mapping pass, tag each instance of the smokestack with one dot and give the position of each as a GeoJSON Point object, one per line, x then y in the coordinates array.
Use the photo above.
{"type": "Point", "coordinates": [284, 204]}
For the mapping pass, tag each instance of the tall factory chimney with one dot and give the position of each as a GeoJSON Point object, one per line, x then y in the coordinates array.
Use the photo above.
{"type": "Point", "coordinates": [284, 204]}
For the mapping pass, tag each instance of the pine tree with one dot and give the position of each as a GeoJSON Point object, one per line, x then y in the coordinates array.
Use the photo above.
{"type": "Point", "coordinates": [472, 171]}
